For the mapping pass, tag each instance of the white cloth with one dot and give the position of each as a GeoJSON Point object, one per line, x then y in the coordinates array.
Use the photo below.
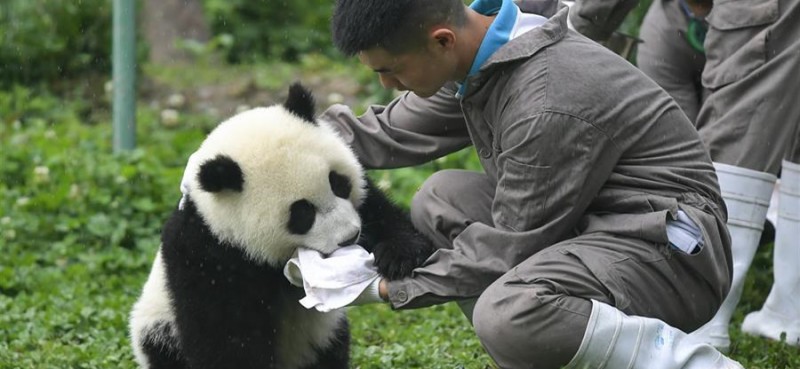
{"type": "Point", "coordinates": [344, 277]}
{"type": "Point", "coordinates": [684, 234]}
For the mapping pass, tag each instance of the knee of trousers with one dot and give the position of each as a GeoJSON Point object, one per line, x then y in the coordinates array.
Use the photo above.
{"type": "Point", "coordinates": [520, 325]}
{"type": "Point", "coordinates": [423, 205]}
{"type": "Point", "coordinates": [421, 215]}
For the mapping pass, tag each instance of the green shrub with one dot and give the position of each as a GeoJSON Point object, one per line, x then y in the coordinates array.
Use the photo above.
{"type": "Point", "coordinates": [78, 228]}
{"type": "Point", "coordinates": [48, 39]}
{"type": "Point", "coordinates": [263, 29]}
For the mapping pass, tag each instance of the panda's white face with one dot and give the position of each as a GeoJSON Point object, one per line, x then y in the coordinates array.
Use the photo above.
{"type": "Point", "coordinates": [269, 181]}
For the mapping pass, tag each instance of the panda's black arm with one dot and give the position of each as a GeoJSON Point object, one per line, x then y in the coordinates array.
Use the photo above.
{"type": "Point", "coordinates": [222, 320]}
{"type": "Point", "coordinates": [387, 232]}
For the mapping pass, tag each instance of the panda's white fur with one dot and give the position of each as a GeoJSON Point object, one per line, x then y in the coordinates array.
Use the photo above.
{"type": "Point", "coordinates": [152, 308]}
{"type": "Point", "coordinates": [282, 162]}
{"type": "Point", "coordinates": [216, 296]}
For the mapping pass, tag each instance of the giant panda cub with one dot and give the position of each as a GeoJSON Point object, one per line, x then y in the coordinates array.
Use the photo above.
{"type": "Point", "coordinates": [262, 184]}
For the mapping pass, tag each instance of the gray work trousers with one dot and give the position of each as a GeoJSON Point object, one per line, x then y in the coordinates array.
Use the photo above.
{"type": "Point", "coordinates": [666, 56]}
{"type": "Point", "coordinates": [535, 315]}
{"type": "Point", "coordinates": [752, 115]}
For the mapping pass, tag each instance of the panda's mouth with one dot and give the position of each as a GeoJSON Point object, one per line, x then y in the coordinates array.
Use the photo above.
{"type": "Point", "coordinates": [331, 247]}
{"type": "Point", "coordinates": [351, 240]}
{"type": "Point", "coordinates": [329, 239]}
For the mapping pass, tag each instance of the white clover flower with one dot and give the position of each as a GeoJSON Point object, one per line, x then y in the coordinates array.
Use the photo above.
{"type": "Point", "coordinates": [176, 100]}
{"type": "Point", "coordinates": [41, 173]}
{"type": "Point", "coordinates": [335, 98]}
{"type": "Point", "coordinates": [384, 184]}
{"type": "Point", "coordinates": [241, 108]}
{"type": "Point", "coordinates": [74, 191]}
{"type": "Point", "coordinates": [5, 220]}
{"type": "Point", "coordinates": [169, 117]}
{"type": "Point", "coordinates": [22, 201]}
{"type": "Point", "coordinates": [212, 112]}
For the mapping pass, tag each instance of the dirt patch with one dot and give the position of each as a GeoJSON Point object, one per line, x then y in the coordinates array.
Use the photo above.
{"type": "Point", "coordinates": [229, 90]}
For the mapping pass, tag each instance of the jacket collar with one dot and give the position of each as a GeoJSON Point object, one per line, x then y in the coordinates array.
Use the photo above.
{"type": "Point", "coordinates": [529, 43]}
{"type": "Point", "coordinates": [534, 40]}
{"type": "Point", "coordinates": [497, 35]}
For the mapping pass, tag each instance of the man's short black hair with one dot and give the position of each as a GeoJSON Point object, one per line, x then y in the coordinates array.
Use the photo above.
{"type": "Point", "coordinates": [394, 25]}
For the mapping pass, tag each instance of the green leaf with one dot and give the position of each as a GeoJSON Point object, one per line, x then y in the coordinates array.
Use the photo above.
{"type": "Point", "coordinates": [99, 225]}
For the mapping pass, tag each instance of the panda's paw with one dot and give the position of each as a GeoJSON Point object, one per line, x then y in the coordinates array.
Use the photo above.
{"type": "Point", "coordinates": [396, 260]}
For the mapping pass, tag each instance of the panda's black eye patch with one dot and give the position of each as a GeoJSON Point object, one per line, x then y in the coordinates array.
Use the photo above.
{"type": "Point", "coordinates": [301, 216]}
{"type": "Point", "coordinates": [340, 185]}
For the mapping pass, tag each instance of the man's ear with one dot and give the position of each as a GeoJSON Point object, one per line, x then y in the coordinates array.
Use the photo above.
{"type": "Point", "coordinates": [443, 37]}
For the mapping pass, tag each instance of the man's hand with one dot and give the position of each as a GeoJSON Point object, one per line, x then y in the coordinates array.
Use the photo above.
{"type": "Point", "coordinates": [383, 290]}
{"type": "Point", "coordinates": [348, 276]}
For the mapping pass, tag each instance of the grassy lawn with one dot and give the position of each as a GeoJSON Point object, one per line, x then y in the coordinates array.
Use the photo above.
{"type": "Point", "coordinates": [79, 227]}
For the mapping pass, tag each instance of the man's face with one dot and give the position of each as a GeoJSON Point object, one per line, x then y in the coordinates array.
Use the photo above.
{"type": "Point", "coordinates": [422, 71]}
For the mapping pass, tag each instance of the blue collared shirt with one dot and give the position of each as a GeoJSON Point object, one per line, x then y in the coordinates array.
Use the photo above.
{"type": "Point", "coordinates": [497, 35]}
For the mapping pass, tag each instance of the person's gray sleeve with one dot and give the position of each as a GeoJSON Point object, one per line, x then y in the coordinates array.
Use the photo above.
{"type": "Point", "coordinates": [408, 131]}
{"type": "Point", "coordinates": [552, 168]}
{"type": "Point", "coordinates": [598, 19]}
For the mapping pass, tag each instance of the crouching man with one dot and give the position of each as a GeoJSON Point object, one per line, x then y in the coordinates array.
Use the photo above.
{"type": "Point", "coordinates": [595, 236]}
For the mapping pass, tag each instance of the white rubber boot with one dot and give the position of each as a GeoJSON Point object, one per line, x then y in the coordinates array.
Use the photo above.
{"type": "Point", "coordinates": [614, 340]}
{"type": "Point", "coordinates": [747, 195]}
{"type": "Point", "coordinates": [772, 212]}
{"type": "Point", "coordinates": [781, 312]}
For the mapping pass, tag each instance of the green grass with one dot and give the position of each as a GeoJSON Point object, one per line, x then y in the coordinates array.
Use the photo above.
{"type": "Point", "coordinates": [79, 227]}
{"type": "Point", "coordinates": [754, 352]}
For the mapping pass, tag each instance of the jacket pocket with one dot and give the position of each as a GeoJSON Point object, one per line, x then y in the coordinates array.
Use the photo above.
{"type": "Point", "coordinates": [736, 43]}
{"type": "Point", "coordinates": [524, 190]}
{"type": "Point", "coordinates": [608, 268]}
{"type": "Point", "coordinates": [735, 14]}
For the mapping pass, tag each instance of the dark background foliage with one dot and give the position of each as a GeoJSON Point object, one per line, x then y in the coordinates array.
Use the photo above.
{"type": "Point", "coordinates": [271, 28]}
{"type": "Point", "coordinates": [43, 40]}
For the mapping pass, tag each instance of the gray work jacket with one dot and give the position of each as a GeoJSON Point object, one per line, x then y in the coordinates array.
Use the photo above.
{"type": "Point", "coordinates": [599, 19]}
{"type": "Point", "coordinates": [575, 139]}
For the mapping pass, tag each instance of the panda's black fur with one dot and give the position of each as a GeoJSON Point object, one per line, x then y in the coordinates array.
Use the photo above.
{"type": "Point", "coordinates": [212, 302]}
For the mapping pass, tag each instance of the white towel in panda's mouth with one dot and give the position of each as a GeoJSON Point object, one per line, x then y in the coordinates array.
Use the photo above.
{"type": "Point", "coordinates": [331, 281]}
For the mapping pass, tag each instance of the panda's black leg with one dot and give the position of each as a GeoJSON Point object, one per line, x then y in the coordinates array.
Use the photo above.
{"type": "Point", "coordinates": [387, 232]}
{"type": "Point", "coordinates": [162, 352]}
{"type": "Point", "coordinates": [337, 354]}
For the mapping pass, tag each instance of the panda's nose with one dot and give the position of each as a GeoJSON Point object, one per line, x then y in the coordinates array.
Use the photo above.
{"type": "Point", "coordinates": [350, 241]}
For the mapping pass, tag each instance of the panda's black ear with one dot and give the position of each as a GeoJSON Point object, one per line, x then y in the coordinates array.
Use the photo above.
{"type": "Point", "coordinates": [221, 173]}
{"type": "Point", "coordinates": [300, 102]}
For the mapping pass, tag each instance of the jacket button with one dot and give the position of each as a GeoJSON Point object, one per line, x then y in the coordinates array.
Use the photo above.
{"type": "Point", "coordinates": [484, 152]}
{"type": "Point", "coordinates": [402, 296]}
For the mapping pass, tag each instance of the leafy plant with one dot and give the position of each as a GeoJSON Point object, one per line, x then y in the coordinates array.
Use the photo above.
{"type": "Point", "coordinates": [271, 29]}
{"type": "Point", "coordinates": [47, 39]}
